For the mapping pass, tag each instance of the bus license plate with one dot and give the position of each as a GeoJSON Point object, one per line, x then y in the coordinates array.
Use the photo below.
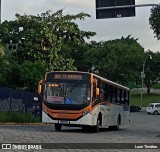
{"type": "Point", "coordinates": [64, 122]}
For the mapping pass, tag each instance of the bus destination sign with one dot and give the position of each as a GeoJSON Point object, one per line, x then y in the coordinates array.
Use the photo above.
{"type": "Point", "coordinates": [68, 76]}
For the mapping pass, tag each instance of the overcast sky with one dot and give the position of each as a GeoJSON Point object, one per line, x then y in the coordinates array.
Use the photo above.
{"type": "Point", "coordinates": [106, 29]}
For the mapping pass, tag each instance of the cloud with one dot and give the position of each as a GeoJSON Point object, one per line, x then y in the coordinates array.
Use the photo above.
{"type": "Point", "coordinates": [75, 3]}
{"type": "Point", "coordinates": [106, 29]}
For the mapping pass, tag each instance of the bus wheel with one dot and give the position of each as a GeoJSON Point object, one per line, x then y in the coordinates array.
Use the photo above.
{"type": "Point", "coordinates": [116, 127]}
{"type": "Point", "coordinates": [96, 128]}
{"type": "Point", "coordinates": [58, 127]}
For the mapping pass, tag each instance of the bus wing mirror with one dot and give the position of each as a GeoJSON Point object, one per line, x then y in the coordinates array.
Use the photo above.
{"type": "Point", "coordinates": [40, 86]}
{"type": "Point", "coordinates": [97, 91]}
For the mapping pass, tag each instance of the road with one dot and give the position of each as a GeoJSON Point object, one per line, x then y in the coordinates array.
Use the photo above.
{"type": "Point", "coordinates": [143, 128]}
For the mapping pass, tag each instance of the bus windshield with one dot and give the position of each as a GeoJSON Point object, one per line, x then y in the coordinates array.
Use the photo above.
{"type": "Point", "coordinates": [76, 92]}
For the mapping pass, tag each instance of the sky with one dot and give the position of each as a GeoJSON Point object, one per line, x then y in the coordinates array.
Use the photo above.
{"type": "Point", "coordinates": [107, 29]}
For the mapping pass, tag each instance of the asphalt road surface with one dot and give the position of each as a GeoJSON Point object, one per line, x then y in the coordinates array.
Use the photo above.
{"type": "Point", "coordinates": [142, 129]}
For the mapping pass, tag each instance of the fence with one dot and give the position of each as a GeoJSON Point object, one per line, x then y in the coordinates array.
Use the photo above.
{"type": "Point", "coordinates": [20, 100]}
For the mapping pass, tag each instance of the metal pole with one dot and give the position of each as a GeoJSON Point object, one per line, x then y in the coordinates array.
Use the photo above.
{"type": "Point", "coordinates": [142, 76]}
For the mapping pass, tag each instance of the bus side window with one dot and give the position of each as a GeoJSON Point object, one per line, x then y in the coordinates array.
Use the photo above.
{"type": "Point", "coordinates": [102, 95]}
{"type": "Point", "coordinates": [118, 96]}
{"type": "Point", "coordinates": [106, 95]}
{"type": "Point", "coordinates": [113, 95]}
{"type": "Point", "coordinates": [126, 97]}
{"type": "Point", "coordinates": [95, 85]}
{"type": "Point", "coordinates": [110, 92]}
{"type": "Point", "coordinates": [122, 97]}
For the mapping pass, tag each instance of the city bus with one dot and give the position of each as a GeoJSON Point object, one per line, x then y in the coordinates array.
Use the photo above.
{"type": "Point", "coordinates": [83, 99]}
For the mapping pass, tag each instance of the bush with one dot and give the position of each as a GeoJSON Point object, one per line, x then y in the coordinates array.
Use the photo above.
{"type": "Point", "coordinates": [156, 86]}
{"type": "Point", "coordinates": [18, 117]}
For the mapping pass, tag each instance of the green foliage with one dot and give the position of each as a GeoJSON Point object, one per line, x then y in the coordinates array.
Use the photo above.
{"type": "Point", "coordinates": [53, 41]}
{"type": "Point", "coordinates": [154, 21]}
{"type": "Point", "coordinates": [26, 75]}
{"type": "Point", "coordinates": [156, 86]}
{"type": "Point", "coordinates": [132, 85]}
{"type": "Point", "coordinates": [76, 52]}
{"type": "Point", "coordinates": [4, 69]}
{"type": "Point", "coordinates": [18, 117]}
{"type": "Point", "coordinates": [2, 50]}
{"type": "Point", "coordinates": [64, 31]}
{"type": "Point", "coordinates": [118, 60]}
{"type": "Point", "coordinates": [152, 70]}
{"type": "Point", "coordinates": [35, 44]}
{"type": "Point", "coordinates": [41, 37]}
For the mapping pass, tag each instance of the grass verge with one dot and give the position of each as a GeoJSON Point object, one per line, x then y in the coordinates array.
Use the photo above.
{"type": "Point", "coordinates": [18, 117]}
{"type": "Point", "coordinates": [135, 99]}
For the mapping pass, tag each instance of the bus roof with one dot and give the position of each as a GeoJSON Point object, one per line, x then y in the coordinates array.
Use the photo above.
{"type": "Point", "coordinates": [103, 79]}
{"type": "Point", "coordinates": [69, 72]}
{"type": "Point", "coordinates": [111, 82]}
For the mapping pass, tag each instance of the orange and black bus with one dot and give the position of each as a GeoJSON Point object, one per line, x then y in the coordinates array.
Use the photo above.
{"type": "Point", "coordinates": [73, 98]}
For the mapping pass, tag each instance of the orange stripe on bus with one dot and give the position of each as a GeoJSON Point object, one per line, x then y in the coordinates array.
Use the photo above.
{"type": "Point", "coordinates": [64, 114]}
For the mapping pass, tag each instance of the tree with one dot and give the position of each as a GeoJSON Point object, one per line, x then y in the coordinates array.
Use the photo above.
{"type": "Point", "coordinates": [154, 21]}
{"type": "Point", "coordinates": [2, 50]}
{"type": "Point", "coordinates": [152, 70]}
{"type": "Point", "coordinates": [25, 75]}
{"type": "Point", "coordinates": [41, 37]}
{"type": "Point", "coordinates": [4, 71]}
{"type": "Point", "coordinates": [76, 52]}
{"type": "Point", "coordinates": [118, 60]}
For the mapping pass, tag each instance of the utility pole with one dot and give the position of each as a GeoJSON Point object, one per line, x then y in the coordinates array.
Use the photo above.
{"type": "Point", "coordinates": [143, 75]}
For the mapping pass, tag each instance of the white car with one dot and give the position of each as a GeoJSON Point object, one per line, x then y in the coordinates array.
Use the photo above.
{"type": "Point", "coordinates": [153, 108]}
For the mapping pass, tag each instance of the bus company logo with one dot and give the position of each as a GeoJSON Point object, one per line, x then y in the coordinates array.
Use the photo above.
{"type": "Point", "coordinates": [6, 146]}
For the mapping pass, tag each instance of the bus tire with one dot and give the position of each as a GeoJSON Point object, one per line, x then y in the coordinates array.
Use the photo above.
{"type": "Point", "coordinates": [96, 128]}
{"type": "Point", "coordinates": [116, 127]}
{"type": "Point", "coordinates": [57, 127]}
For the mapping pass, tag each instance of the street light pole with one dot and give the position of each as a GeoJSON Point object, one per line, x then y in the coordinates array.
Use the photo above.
{"type": "Point", "coordinates": [143, 74]}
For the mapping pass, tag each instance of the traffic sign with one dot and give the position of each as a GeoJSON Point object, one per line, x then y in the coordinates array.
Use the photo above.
{"type": "Point", "coordinates": [114, 8]}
